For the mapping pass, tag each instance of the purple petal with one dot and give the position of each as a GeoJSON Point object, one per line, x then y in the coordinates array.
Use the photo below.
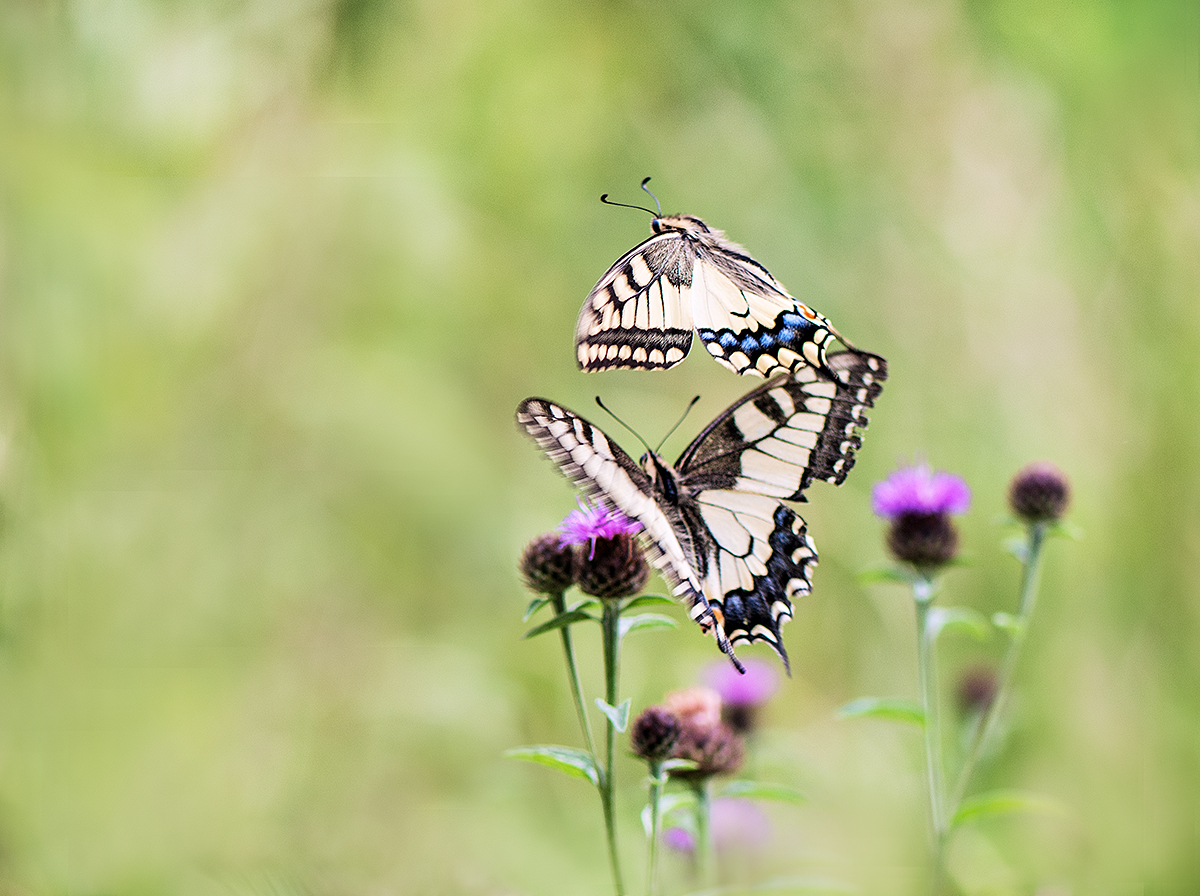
{"type": "Point", "coordinates": [679, 840]}
{"type": "Point", "coordinates": [920, 490]}
{"type": "Point", "coordinates": [754, 687]}
{"type": "Point", "coordinates": [739, 823]}
{"type": "Point", "coordinates": [591, 522]}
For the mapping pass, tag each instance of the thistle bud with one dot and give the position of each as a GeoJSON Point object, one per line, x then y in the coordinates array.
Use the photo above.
{"type": "Point", "coordinates": [548, 565]}
{"type": "Point", "coordinates": [1039, 493]}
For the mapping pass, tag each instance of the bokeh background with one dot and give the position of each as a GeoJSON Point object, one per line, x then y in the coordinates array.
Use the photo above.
{"type": "Point", "coordinates": [274, 276]}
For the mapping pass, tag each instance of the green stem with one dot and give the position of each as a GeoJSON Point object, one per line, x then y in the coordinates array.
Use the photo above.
{"type": "Point", "coordinates": [657, 779]}
{"type": "Point", "coordinates": [560, 606]}
{"type": "Point", "coordinates": [985, 724]}
{"type": "Point", "coordinates": [927, 673]}
{"type": "Point", "coordinates": [704, 846]}
{"type": "Point", "coordinates": [610, 623]}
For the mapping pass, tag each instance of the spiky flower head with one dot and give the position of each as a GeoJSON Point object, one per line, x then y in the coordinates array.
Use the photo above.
{"type": "Point", "coordinates": [695, 706]}
{"type": "Point", "coordinates": [548, 565]}
{"type": "Point", "coordinates": [920, 490]}
{"type": "Point", "coordinates": [919, 502]}
{"type": "Point", "coordinates": [591, 523]}
{"type": "Point", "coordinates": [609, 561]}
{"type": "Point", "coordinates": [1039, 493]}
{"type": "Point", "coordinates": [654, 733]}
{"type": "Point", "coordinates": [715, 750]}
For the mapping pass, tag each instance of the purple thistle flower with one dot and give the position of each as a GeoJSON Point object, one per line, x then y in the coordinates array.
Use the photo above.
{"type": "Point", "coordinates": [679, 839]}
{"type": "Point", "coordinates": [919, 490]}
{"type": "Point", "coordinates": [738, 824]}
{"type": "Point", "coordinates": [756, 686]}
{"type": "Point", "coordinates": [589, 523]}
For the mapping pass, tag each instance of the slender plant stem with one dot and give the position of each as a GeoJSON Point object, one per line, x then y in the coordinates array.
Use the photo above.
{"type": "Point", "coordinates": [704, 846]}
{"type": "Point", "coordinates": [985, 725]}
{"type": "Point", "coordinates": [657, 778]}
{"type": "Point", "coordinates": [610, 623]}
{"type": "Point", "coordinates": [560, 606]}
{"type": "Point", "coordinates": [927, 673]}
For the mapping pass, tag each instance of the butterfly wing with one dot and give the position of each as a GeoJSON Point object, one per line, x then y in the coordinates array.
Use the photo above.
{"type": "Point", "coordinates": [747, 320]}
{"type": "Point", "coordinates": [605, 473]}
{"type": "Point", "coordinates": [640, 313]}
{"type": "Point", "coordinates": [770, 445]}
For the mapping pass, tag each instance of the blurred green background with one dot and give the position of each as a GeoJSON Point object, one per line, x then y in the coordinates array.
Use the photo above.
{"type": "Point", "coordinates": [274, 276]}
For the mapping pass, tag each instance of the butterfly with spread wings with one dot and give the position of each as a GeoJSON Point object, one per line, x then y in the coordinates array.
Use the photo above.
{"type": "Point", "coordinates": [713, 523]}
{"type": "Point", "coordinates": [688, 276]}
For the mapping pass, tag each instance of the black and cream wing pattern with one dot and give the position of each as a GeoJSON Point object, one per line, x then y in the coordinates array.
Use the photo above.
{"type": "Point", "coordinates": [687, 276]}
{"type": "Point", "coordinates": [714, 523]}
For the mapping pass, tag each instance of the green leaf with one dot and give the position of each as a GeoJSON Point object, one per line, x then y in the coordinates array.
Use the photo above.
{"type": "Point", "coordinates": [885, 574]}
{"type": "Point", "coordinates": [1008, 623]}
{"type": "Point", "coordinates": [1004, 802]}
{"type": "Point", "coordinates": [1065, 529]}
{"type": "Point", "coordinates": [681, 765]}
{"type": "Point", "coordinates": [649, 600]}
{"type": "Point", "coordinates": [756, 790]}
{"type": "Point", "coordinates": [534, 605]}
{"type": "Point", "coordinates": [568, 618]}
{"type": "Point", "coordinates": [892, 709]}
{"type": "Point", "coordinates": [618, 715]}
{"type": "Point", "coordinates": [577, 763]}
{"type": "Point", "coordinates": [1018, 546]}
{"type": "Point", "coordinates": [630, 624]}
{"type": "Point", "coordinates": [970, 621]}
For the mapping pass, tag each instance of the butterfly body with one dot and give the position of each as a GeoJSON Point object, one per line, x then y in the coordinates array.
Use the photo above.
{"type": "Point", "coordinates": [688, 277]}
{"type": "Point", "coordinates": [713, 522]}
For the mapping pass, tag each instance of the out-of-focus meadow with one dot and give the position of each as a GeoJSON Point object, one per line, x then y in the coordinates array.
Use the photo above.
{"type": "Point", "coordinates": [275, 275]}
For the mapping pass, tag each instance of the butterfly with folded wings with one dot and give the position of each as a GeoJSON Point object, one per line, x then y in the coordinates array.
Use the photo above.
{"type": "Point", "coordinates": [686, 276]}
{"type": "Point", "coordinates": [713, 523]}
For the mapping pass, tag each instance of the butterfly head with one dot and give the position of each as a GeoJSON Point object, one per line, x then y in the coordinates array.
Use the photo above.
{"type": "Point", "coordinates": [685, 224]}
{"type": "Point", "coordinates": [661, 476]}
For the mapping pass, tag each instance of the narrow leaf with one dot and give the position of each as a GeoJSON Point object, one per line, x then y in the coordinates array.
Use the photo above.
{"type": "Point", "coordinates": [534, 605]}
{"type": "Point", "coordinates": [649, 600]}
{"type": "Point", "coordinates": [1005, 802]}
{"type": "Point", "coordinates": [1008, 622]}
{"type": "Point", "coordinates": [885, 574]}
{"type": "Point", "coordinates": [892, 709]}
{"type": "Point", "coordinates": [568, 618]}
{"type": "Point", "coordinates": [971, 621]}
{"type": "Point", "coordinates": [684, 765]}
{"type": "Point", "coordinates": [577, 763]}
{"type": "Point", "coordinates": [644, 621]}
{"type": "Point", "coordinates": [756, 790]}
{"type": "Point", "coordinates": [618, 715]}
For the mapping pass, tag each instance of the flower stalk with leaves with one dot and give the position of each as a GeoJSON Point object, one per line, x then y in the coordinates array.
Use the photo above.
{"type": "Point", "coordinates": [596, 551]}
{"type": "Point", "coordinates": [919, 503]}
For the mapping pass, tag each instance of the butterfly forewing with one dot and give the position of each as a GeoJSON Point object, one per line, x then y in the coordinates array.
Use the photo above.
{"type": "Point", "coordinates": [639, 315]}
{"type": "Point", "coordinates": [605, 473]}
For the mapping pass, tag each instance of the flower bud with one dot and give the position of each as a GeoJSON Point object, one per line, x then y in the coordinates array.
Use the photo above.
{"type": "Point", "coordinates": [715, 749]}
{"type": "Point", "coordinates": [654, 733]}
{"type": "Point", "coordinates": [1039, 493]}
{"type": "Point", "coordinates": [926, 540]}
{"type": "Point", "coordinates": [613, 568]}
{"type": "Point", "coordinates": [548, 565]}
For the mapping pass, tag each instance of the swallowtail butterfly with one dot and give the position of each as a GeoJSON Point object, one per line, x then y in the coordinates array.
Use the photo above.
{"type": "Point", "coordinates": [713, 523]}
{"type": "Point", "coordinates": [688, 276]}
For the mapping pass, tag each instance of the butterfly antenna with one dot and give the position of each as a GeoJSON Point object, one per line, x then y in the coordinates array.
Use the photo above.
{"type": "Point", "coordinates": [646, 180]}
{"type": "Point", "coordinates": [671, 431]}
{"type": "Point", "coordinates": [604, 198]}
{"type": "Point", "coordinates": [604, 408]}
